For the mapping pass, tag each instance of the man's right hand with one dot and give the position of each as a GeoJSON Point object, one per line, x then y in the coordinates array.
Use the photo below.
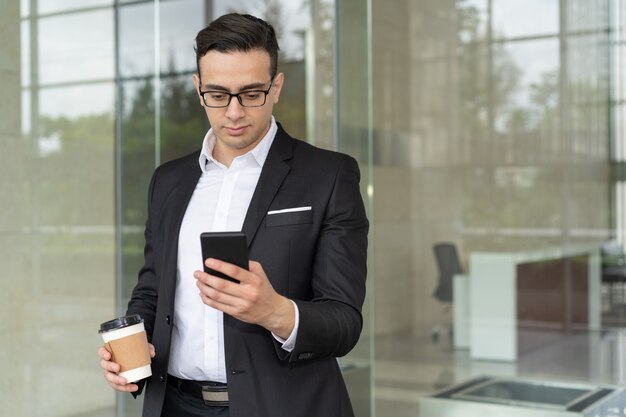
{"type": "Point", "coordinates": [112, 369]}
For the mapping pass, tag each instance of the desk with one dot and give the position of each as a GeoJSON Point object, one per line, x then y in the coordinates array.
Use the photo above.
{"type": "Point", "coordinates": [497, 297]}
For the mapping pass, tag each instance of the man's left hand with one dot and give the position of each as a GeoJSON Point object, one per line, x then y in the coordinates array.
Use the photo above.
{"type": "Point", "coordinates": [253, 300]}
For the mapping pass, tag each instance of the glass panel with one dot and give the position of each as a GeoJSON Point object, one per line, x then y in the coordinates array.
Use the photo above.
{"type": "Point", "coordinates": [136, 163]}
{"type": "Point", "coordinates": [74, 234]}
{"type": "Point", "coordinates": [354, 123]}
{"type": "Point", "coordinates": [136, 34]}
{"type": "Point", "coordinates": [587, 15]}
{"type": "Point", "coordinates": [57, 246]}
{"type": "Point", "coordinates": [473, 20]}
{"type": "Point", "coordinates": [517, 18]}
{"type": "Point", "coordinates": [618, 81]}
{"type": "Point", "coordinates": [54, 6]}
{"type": "Point", "coordinates": [77, 101]}
{"type": "Point", "coordinates": [479, 143]}
{"type": "Point", "coordinates": [183, 120]}
{"type": "Point", "coordinates": [180, 22]}
{"type": "Point", "coordinates": [25, 51]}
{"type": "Point", "coordinates": [24, 7]}
{"type": "Point", "coordinates": [525, 97]}
{"type": "Point", "coordinates": [76, 47]}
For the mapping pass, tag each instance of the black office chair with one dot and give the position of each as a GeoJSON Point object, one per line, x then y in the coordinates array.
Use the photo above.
{"type": "Point", "coordinates": [448, 266]}
{"type": "Point", "coordinates": [613, 270]}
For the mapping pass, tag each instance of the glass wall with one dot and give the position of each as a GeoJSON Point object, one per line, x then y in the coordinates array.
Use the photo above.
{"type": "Point", "coordinates": [491, 132]}
{"type": "Point", "coordinates": [57, 227]}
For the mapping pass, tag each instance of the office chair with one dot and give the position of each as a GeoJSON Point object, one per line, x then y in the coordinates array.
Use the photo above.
{"type": "Point", "coordinates": [613, 269]}
{"type": "Point", "coordinates": [448, 266]}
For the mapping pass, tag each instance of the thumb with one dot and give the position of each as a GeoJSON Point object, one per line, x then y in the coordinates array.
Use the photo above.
{"type": "Point", "coordinates": [255, 267]}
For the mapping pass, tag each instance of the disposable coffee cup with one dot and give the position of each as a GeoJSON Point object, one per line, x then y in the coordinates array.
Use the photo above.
{"type": "Point", "coordinates": [125, 338]}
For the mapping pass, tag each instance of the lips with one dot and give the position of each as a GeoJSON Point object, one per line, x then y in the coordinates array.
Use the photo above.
{"type": "Point", "coordinates": [236, 131]}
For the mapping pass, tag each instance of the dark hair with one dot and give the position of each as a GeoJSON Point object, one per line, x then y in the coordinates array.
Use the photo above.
{"type": "Point", "coordinates": [236, 32]}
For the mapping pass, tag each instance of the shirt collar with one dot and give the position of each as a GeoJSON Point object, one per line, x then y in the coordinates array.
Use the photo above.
{"type": "Point", "coordinates": [259, 152]}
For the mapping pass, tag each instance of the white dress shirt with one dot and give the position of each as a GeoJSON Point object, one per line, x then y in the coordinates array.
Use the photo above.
{"type": "Point", "coordinates": [219, 203]}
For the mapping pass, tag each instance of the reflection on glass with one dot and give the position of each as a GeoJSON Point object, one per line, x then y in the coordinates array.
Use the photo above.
{"type": "Point", "coordinates": [25, 51]}
{"type": "Point", "coordinates": [619, 132]}
{"type": "Point", "coordinates": [136, 164]}
{"type": "Point", "coordinates": [24, 8]}
{"type": "Point", "coordinates": [525, 88]}
{"type": "Point", "coordinates": [52, 6]}
{"type": "Point", "coordinates": [76, 47]}
{"type": "Point", "coordinates": [183, 120]}
{"type": "Point", "coordinates": [587, 15]}
{"type": "Point", "coordinates": [619, 191]}
{"type": "Point", "coordinates": [517, 18]}
{"type": "Point", "coordinates": [136, 33]}
{"type": "Point", "coordinates": [25, 113]}
{"type": "Point", "coordinates": [77, 101]}
{"type": "Point", "coordinates": [58, 243]}
{"type": "Point", "coordinates": [180, 22]}
{"type": "Point", "coordinates": [473, 19]}
{"type": "Point", "coordinates": [138, 160]}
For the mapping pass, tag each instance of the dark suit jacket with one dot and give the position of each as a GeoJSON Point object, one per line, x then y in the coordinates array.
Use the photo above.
{"type": "Point", "coordinates": [316, 258]}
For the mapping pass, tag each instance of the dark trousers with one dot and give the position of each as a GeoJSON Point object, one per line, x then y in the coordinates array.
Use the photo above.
{"type": "Point", "coordinates": [180, 404]}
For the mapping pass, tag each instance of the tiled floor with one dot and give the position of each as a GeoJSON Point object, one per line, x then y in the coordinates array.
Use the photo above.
{"type": "Point", "coordinates": [410, 366]}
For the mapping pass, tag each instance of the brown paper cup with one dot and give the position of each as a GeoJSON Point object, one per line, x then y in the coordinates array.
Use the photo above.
{"type": "Point", "coordinates": [125, 338]}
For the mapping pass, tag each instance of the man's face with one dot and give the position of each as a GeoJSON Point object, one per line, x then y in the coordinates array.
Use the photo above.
{"type": "Point", "coordinates": [238, 129]}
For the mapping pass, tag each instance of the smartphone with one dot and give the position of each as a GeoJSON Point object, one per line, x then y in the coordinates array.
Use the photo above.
{"type": "Point", "coordinates": [231, 247]}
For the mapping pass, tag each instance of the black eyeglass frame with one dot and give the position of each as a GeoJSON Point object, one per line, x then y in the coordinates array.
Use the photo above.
{"type": "Point", "coordinates": [238, 95]}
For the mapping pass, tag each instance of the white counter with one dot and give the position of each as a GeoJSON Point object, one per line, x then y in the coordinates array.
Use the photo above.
{"type": "Point", "coordinates": [485, 302]}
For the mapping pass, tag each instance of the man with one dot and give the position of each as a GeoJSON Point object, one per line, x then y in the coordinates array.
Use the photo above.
{"type": "Point", "coordinates": [267, 346]}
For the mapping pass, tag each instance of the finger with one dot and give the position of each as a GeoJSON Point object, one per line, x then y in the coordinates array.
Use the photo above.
{"type": "Point", "coordinates": [216, 283]}
{"type": "Point", "coordinates": [104, 354]}
{"type": "Point", "coordinates": [126, 388]}
{"type": "Point", "coordinates": [256, 268]}
{"type": "Point", "coordinates": [114, 379]}
{"type": "Point", "coordinates": [120, 384]}
{"type": "Point", "coordinates": [217, 297]}
{"type": "Point", "coordinates": [225, 308]}
{"type": "Point", "coordinates": [231, 270]}
{"type": "Point", "coordinates": [152, 350]}
{"type": "Point", "coordinates": [109, 366]}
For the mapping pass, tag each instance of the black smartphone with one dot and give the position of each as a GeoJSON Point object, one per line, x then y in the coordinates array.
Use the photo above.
{"type": "Point", "coordinates": [231, 247]}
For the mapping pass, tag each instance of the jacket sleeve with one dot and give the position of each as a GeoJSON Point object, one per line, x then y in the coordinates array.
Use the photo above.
{"type": "Point", "coordinates": [331, 323]}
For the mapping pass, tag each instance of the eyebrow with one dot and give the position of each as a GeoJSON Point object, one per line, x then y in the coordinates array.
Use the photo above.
{"type": "Point", "coordinates": [217, 87]}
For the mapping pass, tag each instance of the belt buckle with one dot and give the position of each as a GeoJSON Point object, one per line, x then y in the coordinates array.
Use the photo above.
{"type": "Point", "coordinates": [215, 396]}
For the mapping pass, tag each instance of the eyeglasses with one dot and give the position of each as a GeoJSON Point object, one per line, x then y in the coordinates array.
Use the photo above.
{"type": "Point", "coordinates": [249, 98]}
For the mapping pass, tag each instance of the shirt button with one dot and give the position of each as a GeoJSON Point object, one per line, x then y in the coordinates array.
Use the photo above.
{"type": "Point", "coordinates": [168, 319]}
{"type": "Point", "coordinates": [161, 378]}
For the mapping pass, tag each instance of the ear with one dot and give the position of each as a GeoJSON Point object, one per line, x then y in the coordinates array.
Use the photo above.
{"type": "Point", "coordinates": [277, 87]}
{"type": "Point", "coordinates": [196, 83]}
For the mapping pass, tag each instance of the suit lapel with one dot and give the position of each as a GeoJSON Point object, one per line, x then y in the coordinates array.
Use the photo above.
{"type": "Point", "coordinates": [176, 206]}
{"type": "Point", "coordinates": [274, 171]}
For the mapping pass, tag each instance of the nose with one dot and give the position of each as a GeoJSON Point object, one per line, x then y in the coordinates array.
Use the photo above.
{"type": "Point", "coordinates": [235, 110]}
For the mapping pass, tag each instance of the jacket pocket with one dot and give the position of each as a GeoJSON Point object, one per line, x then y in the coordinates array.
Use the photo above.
{"type": "Point", "coordinates": [289, 218]}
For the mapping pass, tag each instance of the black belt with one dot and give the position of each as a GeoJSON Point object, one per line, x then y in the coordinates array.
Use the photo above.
{"type": "Point", "coordinates": [214, 394]}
